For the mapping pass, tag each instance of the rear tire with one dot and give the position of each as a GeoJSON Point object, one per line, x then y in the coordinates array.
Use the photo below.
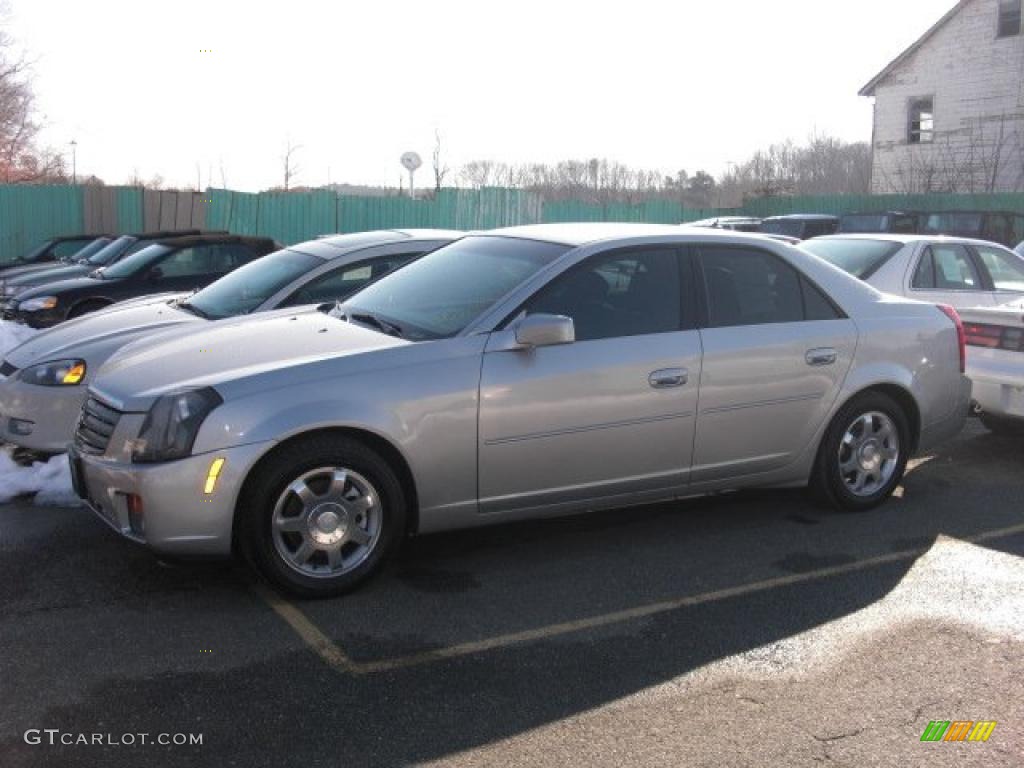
{"type": "Point", "coordinates": [321, 516]}
{"type": "Point", "coordinates": [1003, 426]}
{"type": "Point", "coordinates": [863, 454]}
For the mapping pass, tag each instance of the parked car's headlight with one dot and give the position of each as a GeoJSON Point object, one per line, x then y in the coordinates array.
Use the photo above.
{"type": "Point", "coordinates": [172, 424]}
{"type": "Point", "coordinates": [57, 373]}
{"type": "Point", "coordinates": [34, 305]}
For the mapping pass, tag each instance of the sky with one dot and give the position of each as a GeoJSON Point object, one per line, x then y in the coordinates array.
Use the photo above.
{"type": "Point", "coordinates": [211, 93]}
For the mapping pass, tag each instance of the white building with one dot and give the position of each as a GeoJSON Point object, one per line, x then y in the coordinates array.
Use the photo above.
{"type": "Point", "coordinates": [949, 110]}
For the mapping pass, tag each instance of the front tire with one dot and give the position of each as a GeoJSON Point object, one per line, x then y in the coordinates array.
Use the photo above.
{"type": "Point", "coordinates": [863, 455]}
{"type": "Point", "coordinates": [321, 516]}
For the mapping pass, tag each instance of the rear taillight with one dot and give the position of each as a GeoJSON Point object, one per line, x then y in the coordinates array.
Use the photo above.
{"type": "Point", "coordinates": [961, 337]}
{"type": "Point", "coordinates": [994, 336]}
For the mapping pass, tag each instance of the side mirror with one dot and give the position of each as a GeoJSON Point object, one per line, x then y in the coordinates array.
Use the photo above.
{"type": "Point", "coordinates": [155, 274]}
{"type": "Point", "coordinates": [545, 330]}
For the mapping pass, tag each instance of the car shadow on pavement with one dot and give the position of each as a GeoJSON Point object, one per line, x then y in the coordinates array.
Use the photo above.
{"type": "Point", "coordinates": [287, 707]}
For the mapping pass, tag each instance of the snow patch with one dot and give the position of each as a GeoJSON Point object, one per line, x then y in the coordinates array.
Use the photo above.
{"type": "Point", "coordinates": [50, 481]}
{"type": "Point", "coordinates": [12, 335]}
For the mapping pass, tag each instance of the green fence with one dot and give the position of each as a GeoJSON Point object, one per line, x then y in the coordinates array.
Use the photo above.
{"type": "Point", "coordinates": [30, 214]}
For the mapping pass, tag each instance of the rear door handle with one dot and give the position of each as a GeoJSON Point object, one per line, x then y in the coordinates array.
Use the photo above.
{"type": "Point", "coordinates": [668, 377]}
{"type": "Point", "coordinates": [822, 356]}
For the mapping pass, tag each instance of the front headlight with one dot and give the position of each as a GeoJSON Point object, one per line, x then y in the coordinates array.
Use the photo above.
{"type": "Point", "coordinates": [57, 373]}
{"type": "Point", "coordinates": [172, 424]}
{"type": "Point", "coordinates": [34, 305]}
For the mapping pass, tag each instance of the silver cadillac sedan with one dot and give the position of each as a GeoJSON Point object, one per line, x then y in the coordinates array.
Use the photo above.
{"type": "Point", "coordinates": [516, 374]}
{"type": "Point", "coordinates": [43, 382]}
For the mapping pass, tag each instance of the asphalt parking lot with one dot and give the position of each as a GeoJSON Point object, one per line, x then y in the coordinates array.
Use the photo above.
{"type": "Point", "coordinates": [748, 629]}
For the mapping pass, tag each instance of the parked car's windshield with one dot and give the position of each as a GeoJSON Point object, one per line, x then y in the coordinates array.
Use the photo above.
{"type": "Point", "coordinates": [246, 288]}
{"type": "Point", "coordinates": [791, 227]}
{"type": "Point", "coordinates": [441, 293]}
{"type": "Point", "coordinates": [110, 251]}
{"type": "Point", "coordinates": [1020, 249]}
{"type": "Point", "coordinates": [135, 263]}
{"type": "Point", "coordinates": [861, 258]}
{"type": "Point", "coordinates": [35, 253]}
{"type": "Point", "coordinates": [95, 246]}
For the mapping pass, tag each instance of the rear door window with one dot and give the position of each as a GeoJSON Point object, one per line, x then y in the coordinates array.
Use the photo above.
{"type": "Point", "coordinates": [750, 287]}
{"type": "Point", "coordinates": [946, 267]}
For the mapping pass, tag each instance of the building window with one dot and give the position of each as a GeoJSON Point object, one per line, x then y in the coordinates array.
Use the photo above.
{"type": "Point", "coordinates": [921, 125]}
{"type": "Point", "coordinates": [1009, 18]}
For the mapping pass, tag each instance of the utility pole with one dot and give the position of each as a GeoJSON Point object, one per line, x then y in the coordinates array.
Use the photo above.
{"type": "Point", "coordinates": [74, 162]}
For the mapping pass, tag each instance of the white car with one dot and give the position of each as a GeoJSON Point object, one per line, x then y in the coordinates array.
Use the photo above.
{"type": "Point", "coordinates": [960, 272]}
{"type": "Point", "coordinates": [995, 363]}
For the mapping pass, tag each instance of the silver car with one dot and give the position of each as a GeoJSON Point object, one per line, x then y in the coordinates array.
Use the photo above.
{"type": "Point", "coordinates": [516, 374]}
{"type": "Point", "coordinates": [956, 271]}
{"type": "Point", "coordinates": [43, 382]}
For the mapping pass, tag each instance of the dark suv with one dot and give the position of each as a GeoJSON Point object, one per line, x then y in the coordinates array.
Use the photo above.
{"type": "Point", "coordinates": [895, 222]}
{"type": "Point", "coordinates": [802, 226]}
{"type": "Point", "coordinates": [175, 264]}
{"type": "Point", "coordinates": [1003, 227]}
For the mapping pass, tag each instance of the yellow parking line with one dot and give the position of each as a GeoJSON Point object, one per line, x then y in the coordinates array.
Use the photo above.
{"type": "Point", "coordinates": [324, 647]}
{"type": "Point", "coordinates": [336, 658]}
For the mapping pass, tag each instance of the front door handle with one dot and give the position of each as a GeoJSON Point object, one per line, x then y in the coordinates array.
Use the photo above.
{"type": "Point", "coordinates": [822, 356]}
{"type": "Point", "coordinates": [668, 377]}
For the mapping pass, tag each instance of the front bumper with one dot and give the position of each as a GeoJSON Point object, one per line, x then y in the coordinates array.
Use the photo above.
{"type": "Point", "coordinates": [177, 517]}
{"type": "Point", "coordinates": [998, 377]}
{"type": "Point", "coordinates": [50, 412]}
{"type": "Point", "coordinates": [939, 431]}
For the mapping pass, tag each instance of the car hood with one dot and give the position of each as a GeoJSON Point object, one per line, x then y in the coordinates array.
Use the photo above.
{"type": "Point", "coordinates": [48, 274]}
{"type": "Point", "coordinates": [9, 273]}
{"type": "Point", "coordinates": [62, 286]}
{"type": "Point", "coordinates": [106, 330]}
{"type": "Point", "coordinates": [228, 350]}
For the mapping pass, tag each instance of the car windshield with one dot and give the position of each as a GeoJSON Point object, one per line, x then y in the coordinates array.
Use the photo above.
{"type": "Point", "coordinates": [441, 293]}
{"type": "Point", "coordinates": [137, 262]}
{"type": "Point", "coordinates": [94, 247]}
{"type": "Point", "coordinates": [35, 253]}
{"type": "Point", "coordinates": [861, 258]}
{"type": "Point", "coordinates": [790, 227]}
{"type": "Point", "coordinates": [873, 222]}
{"type": "Point", "coordinates": [246, 288]}
{"type": "Point", "coordinates": [959, 223]}
{"type": "Point", "coordinates": [111, 251]}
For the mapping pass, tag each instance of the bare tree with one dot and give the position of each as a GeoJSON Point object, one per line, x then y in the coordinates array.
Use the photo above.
{"type": "Point", "coordinates": [21, 160]}
{"type": "Point", "coordinates": [291, 169]}
{"type": "Point", "coordinates": [440, 169]}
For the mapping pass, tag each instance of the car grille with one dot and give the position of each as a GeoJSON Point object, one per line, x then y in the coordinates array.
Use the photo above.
{"type": "Point", "coordinates": [95, 427]}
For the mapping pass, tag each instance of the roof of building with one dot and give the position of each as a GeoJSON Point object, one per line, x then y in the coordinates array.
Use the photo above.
{"type": "Point", "coordinates": [869, 89]}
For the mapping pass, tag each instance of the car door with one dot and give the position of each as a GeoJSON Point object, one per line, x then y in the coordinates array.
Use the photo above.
{"type": "Point", "coordinates": [609, 416]}
{"type": "Point", "coordinates": [1004, 270]}
{"type": "Point", "coordinates": [776, 351]}
{"type": "Point", "coordinates": [946, 273]}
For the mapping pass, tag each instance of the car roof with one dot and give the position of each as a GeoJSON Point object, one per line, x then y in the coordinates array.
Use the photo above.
{"type": "Point", "coordinates": [581, 233]}
{"type": "Point", "coordinates": [908, 238]}
{"type": "Point", "coordinates": [184, 242]}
